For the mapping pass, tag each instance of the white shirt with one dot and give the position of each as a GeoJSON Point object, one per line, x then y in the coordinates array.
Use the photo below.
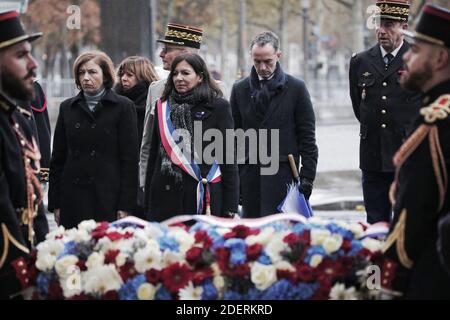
{"type": "Point", "coordinates": [394, 53]}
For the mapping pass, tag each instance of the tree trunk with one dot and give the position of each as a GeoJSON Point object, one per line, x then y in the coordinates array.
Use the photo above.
{"type": "Point", "coordinates": [224, 44]}
{"type": "Point", "coordinates": [242, 40]}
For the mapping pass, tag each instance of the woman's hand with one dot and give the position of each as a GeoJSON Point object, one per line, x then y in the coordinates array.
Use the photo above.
{"type": "Point", "coordinates": [122, 214]}
{"type": "Point", "coordinates": [57, 214]}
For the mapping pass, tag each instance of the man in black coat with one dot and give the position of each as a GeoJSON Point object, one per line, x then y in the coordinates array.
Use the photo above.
{"type": "Point", "coordinates": [384, 110]}
{"type": "Point", "coordinates": [420, 192]}
{"type": "Point", "coordinates": [272, 100]}
{"type": "Point", "coordinates": [19, 154]}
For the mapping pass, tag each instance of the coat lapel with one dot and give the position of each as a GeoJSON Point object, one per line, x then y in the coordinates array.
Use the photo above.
{"type": "Point", "coordinates": [377, 60]}
{"type": "Point", "coordinates": [274, 104]}
{"type": "Point", "coordinates": [397, 63]}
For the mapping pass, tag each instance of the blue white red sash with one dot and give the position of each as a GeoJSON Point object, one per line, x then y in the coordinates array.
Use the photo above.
{"type": "Point", "coordinates": [174, 150]}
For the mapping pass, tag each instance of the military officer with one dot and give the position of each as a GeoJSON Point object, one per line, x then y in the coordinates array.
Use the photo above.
{"type": "Point", "coordinates": [20, 190]}
{"type": "Point", "coordinates": [420, 192]}
{"type": "Point", "coordinates": [384, 110]}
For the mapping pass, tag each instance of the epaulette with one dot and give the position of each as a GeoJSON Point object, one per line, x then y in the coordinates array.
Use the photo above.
{"type": "Point", "coordinates": [25, 112]}
{"type": "Point", "coordinates": [4, 106]}
{"type": "Point", "coordinates": [438, 110]}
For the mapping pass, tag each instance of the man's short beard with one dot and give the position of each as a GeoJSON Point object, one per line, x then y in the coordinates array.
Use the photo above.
{"type": "Point", "coordinates": [414, 82]}
{"type": "Point", "coordinates": [14, 87]}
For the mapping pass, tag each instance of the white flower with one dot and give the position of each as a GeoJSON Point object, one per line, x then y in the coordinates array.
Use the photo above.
{"type": "Point", "coordinates": [262, 238]}
{"type": "Point", "coordinates": [276, 245]}
{"type": "Point", "coordinates": [170, 257]}
{"type": "Point", "coordinates": [101, 279]}
{"type": "Point", "coordinates": [153, 231]}
{"type": "Point", "coordinates": [63, 264]}
{"type": "Point", "coordinates": [284, 265]}
{"type": "Point", "coordinates": [263, 276]}
{"type": "Point", "coordinates": [146, 259]}
{"type": "Point", "coordinates": [315, 260]}
{"type": "Point", "coordinates": [372, 244]}
{"type": "Point", "coordinates": [219, 282]}
{"type": "Point", "coordinates": [356, 229]}
{"type": "Point", "coordinates": [71, 282]}
{"type": "Point", "coordinates": [317, 220]}
{"type": "Point", "coordinates": [332, 243]}
{"type": "Point", "coordinates": [59, 232]}
{"type": "Point", "coordinates": [339, 292]}
{"type": "Point", "coordinates": [146, 292]}
{"type": "Point", "coordinates": [96, 259]}
{"type": "Point", "coordinates": [318, 236]}
{"type": "Point", "coordinates": [81, 235]}
{"type": "Point", "coordinates": [216, 269]}
{"type": "Point", "coordinates": [184, 239]}
{"type": "Point", "coordinates": [48, 251]}
{"type": "Point", "coordinates": [121, 259]}
{"type": "Point", "coordinates": [190, 292]}
{"type": "Point", "coordinates": [87, 225]}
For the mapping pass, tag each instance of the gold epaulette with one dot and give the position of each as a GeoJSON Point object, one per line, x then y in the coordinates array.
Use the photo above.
{"type": "Point", "coordinates": [438, 110]}
{"type": "Point", "coordinates": [44, 174]}
{"type": "Point", "coordinates": [24, 112]}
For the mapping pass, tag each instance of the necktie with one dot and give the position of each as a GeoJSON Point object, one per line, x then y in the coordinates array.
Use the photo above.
{"type": "Point", "coordinates": [388, 58]}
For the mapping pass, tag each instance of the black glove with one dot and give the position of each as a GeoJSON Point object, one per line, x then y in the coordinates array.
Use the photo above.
{"type": "Point", "coordinates": [306, 187]}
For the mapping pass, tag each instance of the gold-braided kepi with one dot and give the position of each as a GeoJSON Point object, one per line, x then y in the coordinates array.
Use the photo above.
{"type": "Point", "coordinates": [183, 35]}
{"type": "Point", "coordinates": [397, 10]}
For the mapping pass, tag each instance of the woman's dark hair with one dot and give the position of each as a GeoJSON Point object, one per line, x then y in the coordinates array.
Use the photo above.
{"type": "Point", "coordinates": [103, 61]}
{"type": "Point", "coordinates": [206, 90]}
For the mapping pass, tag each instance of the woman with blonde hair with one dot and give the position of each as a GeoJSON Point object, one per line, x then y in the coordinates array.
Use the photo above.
{"type": "Point", "coordinates": [94, 165]}
{"type": "Point", "coordinates": [135, 75]}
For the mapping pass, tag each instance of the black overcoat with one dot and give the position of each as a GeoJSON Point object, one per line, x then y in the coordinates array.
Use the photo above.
{"type": "Point", "coordinates": [291, 112]}
{"type": "Point", "coordinates": [166, 198]}
{"type": "Point", "coordinates": [385, 111]}
{"type": "Point", "coordinates": [94, 166]}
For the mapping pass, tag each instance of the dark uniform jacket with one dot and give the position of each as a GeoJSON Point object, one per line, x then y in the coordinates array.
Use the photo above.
{"type": "Point", "coordinates": [291, 112]}
{"type": "Point", "coordinates": [94, 166]}
{"type": "Point", "coordinates": [13, 195]}
{"type": "Point", "coordinates": [384, 110]}
{"type": "Point", "coordinates": [166, 197]}
{"type": "Point", "coordinates": [411, 245]}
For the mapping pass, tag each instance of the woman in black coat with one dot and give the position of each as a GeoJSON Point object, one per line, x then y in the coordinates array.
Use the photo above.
{"type": "Point", "coordinates": [135, 76]}
{"type": "Point", "coordinates": [94, 165]}
{"type": "Point", "coordinates": [191, 105]}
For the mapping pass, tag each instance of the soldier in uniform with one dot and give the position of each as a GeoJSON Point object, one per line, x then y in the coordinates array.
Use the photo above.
{"type": "Point", "coordinates": [20, 190]}
{"type": "Point", "coordinates": [420, 192]}
{"type": "Point", "coordinates": [383, 109]}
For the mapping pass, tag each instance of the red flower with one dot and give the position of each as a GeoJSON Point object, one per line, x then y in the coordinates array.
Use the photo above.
{"type": "Point", "coordinates": [202, 237]}
{"type": "Point", "coordinates": [110, 256]}
{"type": "Point", "coordinates": [176, 277]}
{"type": "Point", "coordinates": [55, 291]}
{"type": "Point", "coordinates": [240, 271]}
{"type": "Point", "coordinates": [364, 253]}
{"type": "Point", "coordinates": [199, 276]}
{"type": "Point", "coordinates": [222, 258]}
{"type": "Point", "coordinates": [128, 235]}
{"type": "Point", "coordinates": [254, 251]}
{"type": "Point", "coordinates": [82, 265]}
{"type": "Point", "coordinates": [80, 297]}
{"type": "Point", "coordinates": [347, 264]}
{"type": "Point", "coordinates": [240, 232]}
{"type": "Point", "coordinates": [194, 255]}
{"type": "Point", "coordinates": [288, 275]}
{"type": "Point", "coordinates": [111, 295]}
{"type": "Point", "coordinates": [306, 273]}
{"type": "Point", "coordinates": [346, 245]}
{"type": "Point", "coordinates": [127, 271]}
{"type": "Point", "coordinates": [305, 237]}
{"type": "Point", "coordinates": [331, 268]}
{"type": "Point", "coordinates": [153, 276]}
{"type": "Point", "coordinates": [98, 234]}
{"type": "Point", "coordinates": [179, 225]}
{"type": "Point", "coordinates": [115, 236]}
{"type": "Point", "coordinates": [291, 239]}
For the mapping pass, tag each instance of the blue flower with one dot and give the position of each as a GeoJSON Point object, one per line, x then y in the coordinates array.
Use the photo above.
{"type": "Point", "coordinates": [163, 294]}
{"type": "Point", "coordinates": [43, 283]}
{"type": "Point", "coordinates": [129, 290]}
{"type": "Point", "coordinates": [299, 228]}
{"type": "Point", "coordinates": [356, 247]}
{"type": "Point", "coordinates": [218, 240]}
{"type": "Point", "coordinates": [313, 251]}
{"type": "Point", "coordinates": [232, 295]}
{"type": "Point", "coordinates": [334, 228]}
{"type": "Point", "coordinates": [238, 250]}
{"type": "Point", "coordinates": [209, 291]}
{"type": "Point", "coordinates": [70, 248]}
{"type": "Point", "coordinates": [199, 226]}
{"type": "Point", "coordinates": [305, 291]}
{"type": "Point", "coordinates": [280, 290]}
{"type": "Point", "coordinates": [254, 294]}
{"type": "Point", "coordinates": [264, 259]}
{"type": "Point", "coordinates": [168, 243]}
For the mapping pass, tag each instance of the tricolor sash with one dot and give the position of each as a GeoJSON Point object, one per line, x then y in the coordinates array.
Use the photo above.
{"type": "Point", "coordinates": [169, 136]}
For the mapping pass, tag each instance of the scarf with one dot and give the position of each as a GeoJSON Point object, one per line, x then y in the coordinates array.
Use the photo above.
{"type": "Point", "coordinates": [180, 115]}
{"type": "Point", "coordinates": [137, 94]}
{"type": "Point", "coordinates": [92, 99]}
{"type": "Point", "coordinates": [261, 97]}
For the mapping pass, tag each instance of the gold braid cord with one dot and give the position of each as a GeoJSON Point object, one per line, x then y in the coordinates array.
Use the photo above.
{"type": "Point", "coordinates": [31, 157]}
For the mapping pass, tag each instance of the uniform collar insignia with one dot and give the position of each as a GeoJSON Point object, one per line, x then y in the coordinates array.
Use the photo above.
{"type": "Point", "coordinates": [438, 110]}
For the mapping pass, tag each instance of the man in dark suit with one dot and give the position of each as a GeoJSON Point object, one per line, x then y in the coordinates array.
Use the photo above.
{"type": "Point", "coordinates": [384, 110]}
{"type": "Point", "coordinates": [272, 100]}
{"type": "Point", "coordinates": [421, 190]}
{"type": "Point", "coordinates": [20, 191]}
